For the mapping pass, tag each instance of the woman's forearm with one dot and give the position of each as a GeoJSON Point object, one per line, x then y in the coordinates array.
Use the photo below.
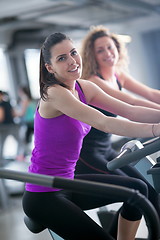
{"type": "Point", "coordinates": [130, 129]}
{"type": "Point", "coordinates": [146, 103]}
{"type": "Point", "coordinates": [155, 96]}
{"type": "Point", "coordinates": [142, 114]}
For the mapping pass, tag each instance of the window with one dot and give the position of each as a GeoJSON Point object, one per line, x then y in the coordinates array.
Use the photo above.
{"type": "Point", "coordinates": [4, 83]}
{"type": "Point", "coordinates": [32, 65]}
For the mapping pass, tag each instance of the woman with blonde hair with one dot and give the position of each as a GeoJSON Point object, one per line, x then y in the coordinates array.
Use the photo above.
{"type": "Point", "coordinates": [105, 63]}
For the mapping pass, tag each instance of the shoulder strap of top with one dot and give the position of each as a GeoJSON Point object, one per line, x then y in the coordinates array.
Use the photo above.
{"type": "Point", "coordinates": [79, 86]}
{"type": "Point", "coordinates": [80, 92]}
{"type": "Point", "coordinates": [100, 76]}
{"type": "Point", "coordinates": [119, 84]}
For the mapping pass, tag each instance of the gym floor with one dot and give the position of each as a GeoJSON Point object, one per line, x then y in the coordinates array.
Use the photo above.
{"type": "Point", "coordinates": [12, 225]}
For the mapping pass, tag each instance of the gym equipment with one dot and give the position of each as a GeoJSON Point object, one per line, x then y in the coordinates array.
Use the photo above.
{"type": "Point", "coordinates": [11, 187]}
{"type": "Point", "coordinates": [95, 189]}
{"type": "Point", "coordinates": [136, 154]}
{"type": "Point", "coordinates": [37, 228]}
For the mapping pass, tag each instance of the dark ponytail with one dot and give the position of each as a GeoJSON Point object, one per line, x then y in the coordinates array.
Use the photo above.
{"type": "Point", "coordinates": [47, 79]}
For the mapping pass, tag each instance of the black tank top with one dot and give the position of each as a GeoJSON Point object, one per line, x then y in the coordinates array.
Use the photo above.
{"type": "Point", "coordinates": [97, 134]}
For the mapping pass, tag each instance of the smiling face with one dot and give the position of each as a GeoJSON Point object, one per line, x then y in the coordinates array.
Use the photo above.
{"type": "Point", "coordinates": [105, 51]}
{"type": "Point", "coordinates": [65, 62]}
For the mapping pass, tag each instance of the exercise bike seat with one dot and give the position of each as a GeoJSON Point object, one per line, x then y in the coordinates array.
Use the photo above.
{"type": "Point", "coordinates": [33, 226]}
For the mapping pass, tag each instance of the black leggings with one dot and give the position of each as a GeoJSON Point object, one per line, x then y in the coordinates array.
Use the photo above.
{"type": "Point", "coordinates": [63, 213]}
{"type": "Point", "coordinates": [95, 161]}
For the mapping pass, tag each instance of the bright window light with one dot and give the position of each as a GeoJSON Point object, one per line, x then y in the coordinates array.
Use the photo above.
{"type": "Point", "coordinates": [125, 38]}
{"type": "Point", "coordinates": [32, 57]}
{"type": "Point", "coordinates": [4, 82]}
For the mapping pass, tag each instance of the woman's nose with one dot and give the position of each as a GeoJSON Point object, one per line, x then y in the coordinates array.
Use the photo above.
{"type": "Point", "coordinates": [107, 52]}
{"type": "Point", "coordinates": [71, 60]}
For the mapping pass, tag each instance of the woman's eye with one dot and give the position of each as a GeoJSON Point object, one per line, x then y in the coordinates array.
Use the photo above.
{"type": "Point", "coordinates": [110, 47]}
{"type": "Point", "coordinates": [61, 59]}
{"type": "Point", "coordinates": [100, 51]}
{"type": "Point", "coordinates": [74, 53]}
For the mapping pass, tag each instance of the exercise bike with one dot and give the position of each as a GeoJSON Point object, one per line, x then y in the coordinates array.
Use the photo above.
{"type": "Point", "coordinates": [136, 154]}
{"type": "Point", "coordinates": [93, 188]}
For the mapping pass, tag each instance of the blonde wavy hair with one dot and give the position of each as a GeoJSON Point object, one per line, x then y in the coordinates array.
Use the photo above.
{"type": "Point", "coordinates": [90, 66]}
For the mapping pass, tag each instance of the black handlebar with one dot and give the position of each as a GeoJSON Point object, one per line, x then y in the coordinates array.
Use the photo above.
{"type": "Point", "coordinates": [132, 196]}
{"type": "Point", "coordinates": [127, 157]}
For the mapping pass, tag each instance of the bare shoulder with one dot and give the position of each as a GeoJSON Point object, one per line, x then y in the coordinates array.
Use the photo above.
{"type": "Point", "coordinates": [55, 92]}
{"type": "Point", "coordinates": [85, 83]}
{"type": "Point", "coordinates": [48, 107]}
{"type": "Point", "coordinates": [89, 88]}
{"type": "Point", "coordinates": [97, 80]}
{"type": "Point", "coordinates": [94, 78]}
{"type": "Point", "coordinates": [122, 76]}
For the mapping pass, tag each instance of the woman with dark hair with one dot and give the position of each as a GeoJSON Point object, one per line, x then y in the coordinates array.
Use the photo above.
{"type": "Point", "coordinates": [62, 119]}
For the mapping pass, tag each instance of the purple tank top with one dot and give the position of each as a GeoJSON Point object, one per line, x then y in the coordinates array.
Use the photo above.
{"type": "Point", "coordinates": [58, 142]}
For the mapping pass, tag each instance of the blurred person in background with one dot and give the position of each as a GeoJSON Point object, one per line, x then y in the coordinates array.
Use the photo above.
{"type": "Point", "coordinates": [6, 110]}
{"type": "Point", "coordinates": [25, 112]}
{"type": "Point", "coordinates": [7, 125]}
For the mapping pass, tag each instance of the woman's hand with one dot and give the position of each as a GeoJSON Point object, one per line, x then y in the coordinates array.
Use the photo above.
{"type": "Point", "coordinates": [156, 130]}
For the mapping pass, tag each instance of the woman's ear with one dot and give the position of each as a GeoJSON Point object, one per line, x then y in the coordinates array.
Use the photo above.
{"type": "Point", "coordinates": [49, 68]}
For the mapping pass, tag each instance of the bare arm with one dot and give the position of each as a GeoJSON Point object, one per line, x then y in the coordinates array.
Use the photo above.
{"type": "Point", "coordinates": [97, 97]}
{"type": "Point", "coordinates": [1, 114]}
{"type": "Point", "coordinates": [125, 97]}
{"type": "Point", "coordinates": [131, 84]}
{"type": "Point", "coordinates": [59, 96]}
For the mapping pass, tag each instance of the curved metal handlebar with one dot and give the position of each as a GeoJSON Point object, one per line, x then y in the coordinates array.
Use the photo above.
{"type": "Point", "coordinates": [127, 157]}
